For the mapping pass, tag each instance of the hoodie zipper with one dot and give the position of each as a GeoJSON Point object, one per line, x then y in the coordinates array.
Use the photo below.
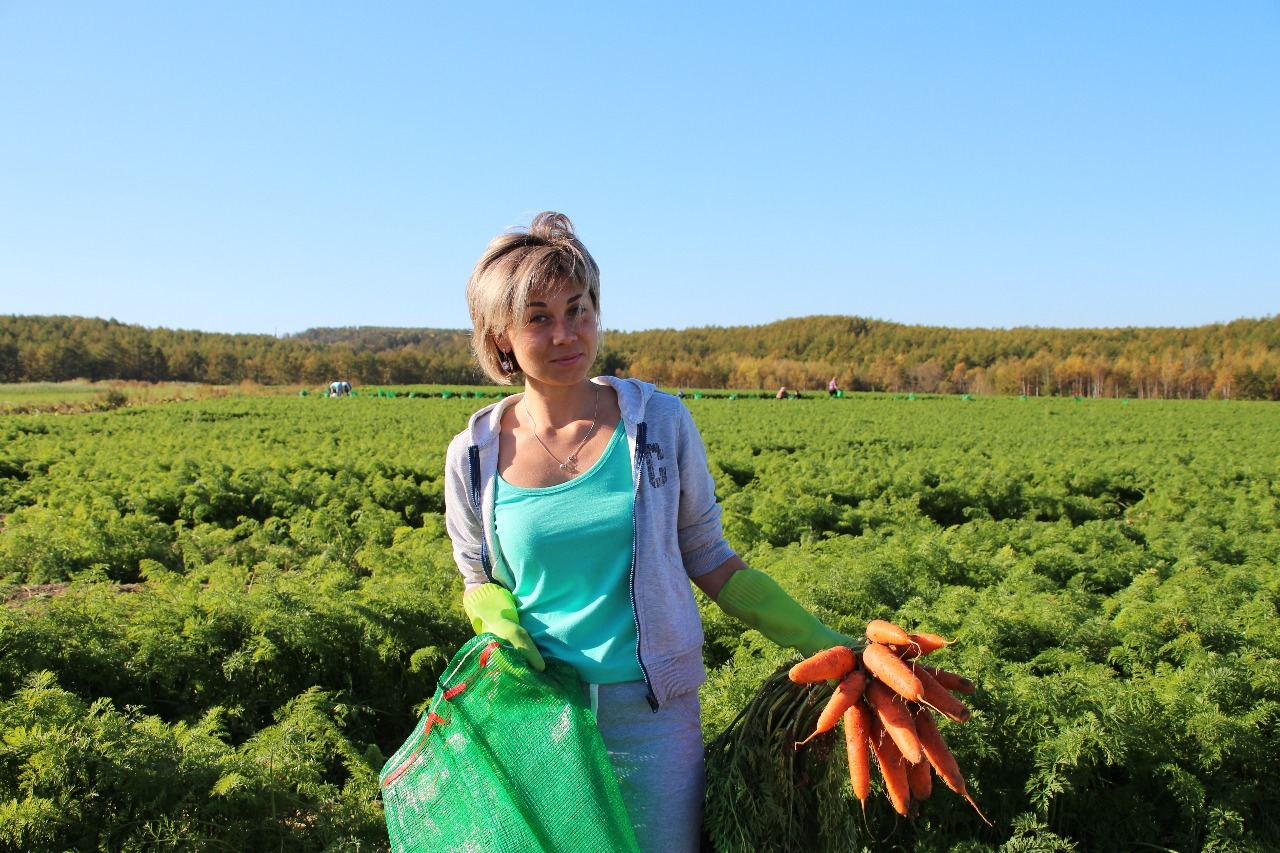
{"type": "Point", "coordinates": [473, 462]}
{"type": "Point", "coordinates": [642, 434]}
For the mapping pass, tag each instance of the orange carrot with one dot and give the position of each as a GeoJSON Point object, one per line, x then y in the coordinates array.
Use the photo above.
{"type": "Point", "coordinates": [889, 668]}
{"type": "Point", "coordinates": [893, 767]}
{"type": "Point", "coordinates": [920, 778]}
{"type": "Point", "coordinates": [848, 691]}
{"type": "Point", "coordinates": [905, 652]}
{"type": "Point", "coordinates": [835, 662]}
{"type": "Point", "coordinates": [939, 755]}
{"type": "Point", "coordinates": [882, 631]}
{"type": "Point", "coordinates": [937, 698]}
{"type": "Point", "coordinates": [949, 680]}
{"type": "Point", "coordinates": [927, 643]}
{"type": "Point", "coordinates": [896, 719]}
{"type": "Point", "coordinates": [857, 730]}
{"type": "Point", "coordinates": [919, 645]}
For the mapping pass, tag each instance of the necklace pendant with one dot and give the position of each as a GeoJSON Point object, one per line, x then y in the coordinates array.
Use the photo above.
{"type": "Point", "coordinates": [571, 460]}
{"type": "Point", "coordinates": [564, 466]}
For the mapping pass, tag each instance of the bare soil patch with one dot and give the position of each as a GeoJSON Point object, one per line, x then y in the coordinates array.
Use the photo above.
{"type": "Point", "coordinates": [32, 592]}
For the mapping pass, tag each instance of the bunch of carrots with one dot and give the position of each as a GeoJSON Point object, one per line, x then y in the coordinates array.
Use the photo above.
{"type": "Point", "coordinates": [886, 700]}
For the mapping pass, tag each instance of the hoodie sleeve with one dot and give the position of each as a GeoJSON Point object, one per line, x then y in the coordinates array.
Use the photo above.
{"type": "Point", "coordinates": [702, 543]}
{"type": "Point", "coordinates": [462, 519]}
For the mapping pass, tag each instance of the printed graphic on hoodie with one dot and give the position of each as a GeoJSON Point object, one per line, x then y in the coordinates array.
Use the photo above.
{"type": "Point", "coordinates": [657, 477]}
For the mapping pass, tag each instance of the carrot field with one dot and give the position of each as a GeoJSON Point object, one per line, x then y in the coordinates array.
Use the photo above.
{"type": "Point", "coordinates": [224, 613]}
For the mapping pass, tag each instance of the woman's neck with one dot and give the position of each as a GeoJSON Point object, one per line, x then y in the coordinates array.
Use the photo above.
{"type": "Point", "coordinates": [556, 406]}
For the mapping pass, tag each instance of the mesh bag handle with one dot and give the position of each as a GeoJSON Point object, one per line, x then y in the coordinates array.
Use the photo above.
{"type": "Point", "coordinates": [504, 759]}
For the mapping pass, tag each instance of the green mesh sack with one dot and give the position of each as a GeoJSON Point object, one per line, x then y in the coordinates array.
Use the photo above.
{"type": "Point", "coordinates": [504, 759]}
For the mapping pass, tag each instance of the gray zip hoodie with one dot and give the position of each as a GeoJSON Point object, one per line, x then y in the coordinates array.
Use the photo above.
{"type": "Point", "coordinates": [676, 525]}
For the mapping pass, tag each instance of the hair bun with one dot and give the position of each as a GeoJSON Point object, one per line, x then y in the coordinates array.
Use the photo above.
{"type": "Point", "coordinates": [552, 227]}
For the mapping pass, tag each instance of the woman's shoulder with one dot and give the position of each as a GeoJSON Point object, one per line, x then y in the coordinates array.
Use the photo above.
{"type": "Point", "coordinates": [666, 404]}
{"type": "Point", "coordinates": [665, 413]}
{"type": "Point", "coordinates": [665, 401]}
{"type": "Point", "coordinates": [482, 428]}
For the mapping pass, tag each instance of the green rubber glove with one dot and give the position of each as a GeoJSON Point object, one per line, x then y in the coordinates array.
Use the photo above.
{"type": "Point", "coordinates": [492, 608]}
{"type": "Point", "coordinates": [756, 599]}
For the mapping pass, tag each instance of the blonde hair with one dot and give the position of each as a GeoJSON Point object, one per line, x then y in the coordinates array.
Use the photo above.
{"type": "Point", "coordinates": [545, 256]}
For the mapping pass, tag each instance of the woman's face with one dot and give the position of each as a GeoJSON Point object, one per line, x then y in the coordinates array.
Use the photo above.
{"type": "Point", "coordinates": [555, 338]}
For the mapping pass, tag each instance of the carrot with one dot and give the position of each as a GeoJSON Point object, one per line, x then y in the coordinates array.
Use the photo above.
{"type": "Point", "coordinates": [939, 755]}
{"type": "Point", "coordinates": [896, 719]}
{"type": "Point", "coordinates": [835, 662]}
{"type": "Point", "coordinates": [928, 643]}
{"type": "Point", "coordinates": [881, 662]}
{"type": "Point", "coordinates": [919, 645]}
{"type": "Point", "coordinates": [882, 631]}
{"type": "Point", "coordinates": [920, 778]}
{"type": "Point", "coordinates": [937, 698]}
{"type": "Point", "coordinates": [904, 652]}
{"type": "Point", "coordinates": [857, 730]}
{"type": "Point", "coordinates": [848, 691]}
{"type": "Point", "coordinates": [893, 767]}
{"type": "Point", "coordinates": [949, 680]}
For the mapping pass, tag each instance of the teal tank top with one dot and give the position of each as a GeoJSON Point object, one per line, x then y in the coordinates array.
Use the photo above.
{"type": "Point", "coordinates": [569, 548]}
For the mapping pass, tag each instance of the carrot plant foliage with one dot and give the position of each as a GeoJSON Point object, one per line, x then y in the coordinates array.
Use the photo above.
{"type": "Point", "coordinates": [223, 614]}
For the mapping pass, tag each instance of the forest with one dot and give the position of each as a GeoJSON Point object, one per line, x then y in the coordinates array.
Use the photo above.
{"type": "Point", "coordinates": [1238, 360]}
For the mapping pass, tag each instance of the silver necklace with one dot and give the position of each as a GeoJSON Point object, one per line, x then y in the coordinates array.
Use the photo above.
{"type": "Point", "coordinates": [570, 463]}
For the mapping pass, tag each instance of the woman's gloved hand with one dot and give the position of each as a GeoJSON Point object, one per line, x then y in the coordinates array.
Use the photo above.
{"type": "Point", "coordinates": [757, 600]}
{"type": "Point", "coordinates": [492, 608]}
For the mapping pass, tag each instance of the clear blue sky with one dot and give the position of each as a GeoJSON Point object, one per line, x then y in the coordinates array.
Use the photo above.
{"type": "Point", "coordinates": [273, 166]}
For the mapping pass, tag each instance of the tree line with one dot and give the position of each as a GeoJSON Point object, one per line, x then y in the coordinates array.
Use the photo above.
{"type": "Point", "coordinates": [1236, 360]}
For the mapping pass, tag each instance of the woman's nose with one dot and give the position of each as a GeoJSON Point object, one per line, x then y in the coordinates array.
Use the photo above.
{"type": "Point", "coordinates": [566, 329]}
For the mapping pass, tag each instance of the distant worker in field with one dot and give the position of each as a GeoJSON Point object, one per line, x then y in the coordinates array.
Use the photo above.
{"type": "Point", "coordinates": [339, 388]}
{"type": "Point", "coordinates": [782, 393]}
{"type": "Point", "coordinates": [581, 510]}
{"type": "Point", "coordinates": [833, 388]}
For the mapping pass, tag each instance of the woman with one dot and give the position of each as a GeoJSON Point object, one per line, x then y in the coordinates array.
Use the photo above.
{"type": "Point", "coordinates": [580, 510]}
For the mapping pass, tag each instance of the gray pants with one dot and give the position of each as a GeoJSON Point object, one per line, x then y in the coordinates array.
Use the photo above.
{"type": "Point", "coordinates": [657, 758]}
